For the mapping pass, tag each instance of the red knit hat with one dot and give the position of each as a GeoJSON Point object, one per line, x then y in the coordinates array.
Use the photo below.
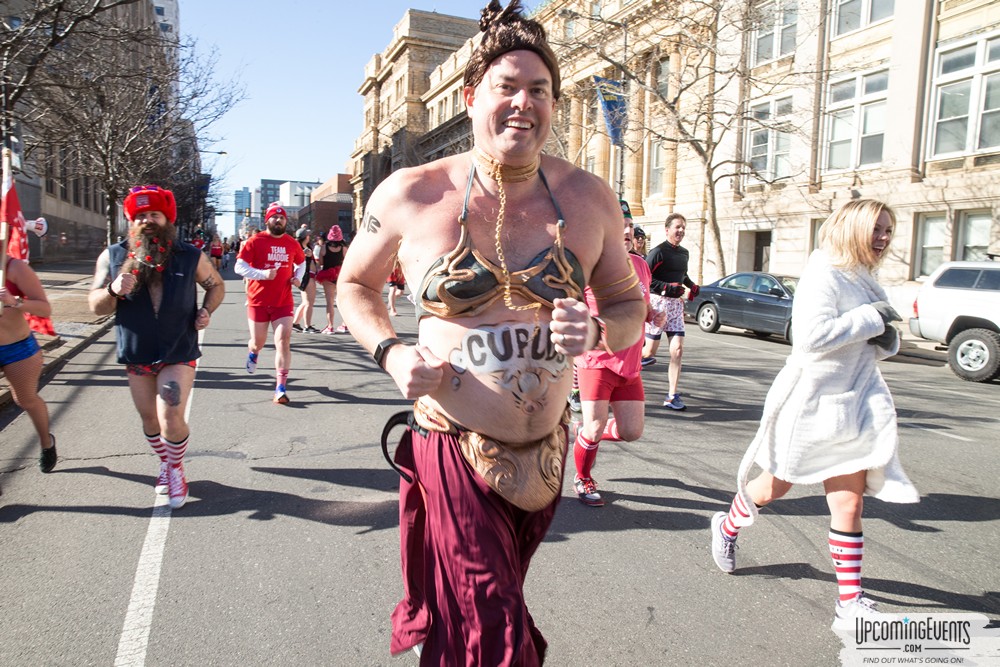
{"type": "Point", "coordinates": [144, 198]}
{"type": "Point", "coordinates": [275, 208]}
{"type": "Point", "coordinates": [335, 234]}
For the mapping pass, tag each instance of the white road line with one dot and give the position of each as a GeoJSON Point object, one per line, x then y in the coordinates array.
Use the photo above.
{"type": "Point", "coordinates": [937, 431]}
{"type": "Point", "coordinates": [139, 617]}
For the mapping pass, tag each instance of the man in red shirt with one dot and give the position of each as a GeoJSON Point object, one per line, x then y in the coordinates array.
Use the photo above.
{"type": "Point", "coordinates": [271, 262]}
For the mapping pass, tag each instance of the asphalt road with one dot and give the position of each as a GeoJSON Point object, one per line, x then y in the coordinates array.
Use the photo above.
{"type": "Point", "coordinates": [287, 552]}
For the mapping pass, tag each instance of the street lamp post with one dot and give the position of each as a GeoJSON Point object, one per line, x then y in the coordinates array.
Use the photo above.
{"type": "Point", "coordinates": [569, 13]}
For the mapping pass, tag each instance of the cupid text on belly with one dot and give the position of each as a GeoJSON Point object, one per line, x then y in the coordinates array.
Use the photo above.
{"type": "Point", "coordinates": [507, 347]}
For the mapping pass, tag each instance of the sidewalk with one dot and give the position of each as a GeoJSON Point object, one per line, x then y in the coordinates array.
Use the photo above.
{"type": "Point", "coordinates": [67, 285]}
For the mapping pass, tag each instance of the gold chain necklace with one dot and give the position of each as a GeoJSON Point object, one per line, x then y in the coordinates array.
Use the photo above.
{"type": "Point", "coordinates": [496, 171]}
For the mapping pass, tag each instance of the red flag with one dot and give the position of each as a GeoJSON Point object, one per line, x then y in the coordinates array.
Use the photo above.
{"type": "Point", "coordinates": [17, 247]}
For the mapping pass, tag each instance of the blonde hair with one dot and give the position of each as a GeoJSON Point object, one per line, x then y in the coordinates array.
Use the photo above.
{"type": "Point", "coordinates": [847, 234]}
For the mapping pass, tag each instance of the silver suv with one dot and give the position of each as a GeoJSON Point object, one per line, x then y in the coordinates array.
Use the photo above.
{"type": "Point", "coordinates": [959, 306]}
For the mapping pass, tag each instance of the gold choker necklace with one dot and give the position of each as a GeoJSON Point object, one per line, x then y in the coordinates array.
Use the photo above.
{"type": "Point", "coordinates": [500, 172]}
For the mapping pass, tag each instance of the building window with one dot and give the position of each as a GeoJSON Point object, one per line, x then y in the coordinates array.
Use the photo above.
{"type": "Point", "coordinates": [663, 77]}
{"type": "Point", "coordinates": [852, 15]}
{"type": "Point", "coordinates": [856, 121]}
{"type": "Point", "coordinates": [932, 231]}
{"type": "Point", "coordinates": [160, 11]}
{"type": "Point", "coordinates": [591, 164]}
{"type": "Point", "coordinates": [63, 175]}
{"type": "Point", "coordinates": [775, 34]}
{"type": "Point", "coordinates": [814, 226]}
{"type": "Point", "coordinates": [770, 147]}
{"type": "Point", "coordinates": [974, 235]}
{"type": "Point", "coordinates": [569, 29]}
{"type": "Point", "coordinates": [657, 162]}
{"type": "Point", "coordinates": [50, 172]}
{"type": "Point", "coordinates": [967, 99]}
{"type": "Point", "coordinates": [595, 8]}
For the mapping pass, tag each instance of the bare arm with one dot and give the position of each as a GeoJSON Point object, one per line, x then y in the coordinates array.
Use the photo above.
{"type": "Point", "coordinates": [100, 300]}
{"type": "Point", "coordinates": [215, 291]}
{"type": "Point", "coordinates": [34, 301]}
{"type": "Point", "coordinates": [359, 289]}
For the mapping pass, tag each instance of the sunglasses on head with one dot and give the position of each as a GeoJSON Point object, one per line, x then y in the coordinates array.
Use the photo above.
{"type": "Point", "coordinates": [144, 188]}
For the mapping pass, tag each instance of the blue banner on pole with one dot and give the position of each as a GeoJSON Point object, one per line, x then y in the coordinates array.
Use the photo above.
{"type": "Point", "coordinates": [611, 94]}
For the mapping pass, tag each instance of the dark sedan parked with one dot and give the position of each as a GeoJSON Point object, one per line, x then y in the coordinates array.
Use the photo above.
{"type": "Point", "coordinates": [758, 302]}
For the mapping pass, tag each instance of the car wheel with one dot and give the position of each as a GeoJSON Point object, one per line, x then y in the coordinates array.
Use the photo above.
{"type": "Point", "coordinates": [974, 355]}
{"type": "Point", "coordinates": [708, 318]}
{"type": "Point", "coordinates": [788, 332]}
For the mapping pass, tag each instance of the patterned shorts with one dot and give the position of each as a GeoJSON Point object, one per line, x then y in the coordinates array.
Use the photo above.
{"type": "Point", "coordinates": [146, 370]}
{"type": "Point", "coordinates": [674, 308]}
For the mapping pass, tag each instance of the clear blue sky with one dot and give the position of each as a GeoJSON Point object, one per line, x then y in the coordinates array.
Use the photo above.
{"type": "Point", "coordinates": [302, 62]}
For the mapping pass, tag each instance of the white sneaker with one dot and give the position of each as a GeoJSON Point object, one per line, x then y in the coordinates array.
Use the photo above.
{"type": "Point", "coordinates": [251, 363]}
{"type": "Point", "coordinates": [846, 613]}
{"type": "Point", "coordinates": [723, 549]}
{"type": "Point", "coordinates": [162, 480]}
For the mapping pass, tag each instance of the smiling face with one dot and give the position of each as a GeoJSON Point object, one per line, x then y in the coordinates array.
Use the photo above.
{"type": "Point", "coordinates": [881, 234]}
{"type": "Point", "coordinates": [676, 230]}
{"type": "Point", "coordinates": [511, 108]}
{"type": "Point", "coordinates": [150, 222]}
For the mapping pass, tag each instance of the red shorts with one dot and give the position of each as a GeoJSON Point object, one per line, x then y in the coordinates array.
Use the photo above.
{"type": "Point", "coordinates": [601, 384]}
{"type": "Point", "coordinates": [144, 370]}
{"type": "Point", "coordinates": [328, 275]}
{"type": "Point", "coordinates": [269, 313]}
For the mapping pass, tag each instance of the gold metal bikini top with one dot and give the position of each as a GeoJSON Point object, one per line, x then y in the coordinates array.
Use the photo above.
{"type": "Point", "coordinates": [464, 283]}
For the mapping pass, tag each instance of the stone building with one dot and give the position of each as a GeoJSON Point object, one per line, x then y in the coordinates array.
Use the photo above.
{"type": "Point", "coordinates": [757, 120]}
{"type": "Point", "coordinates": [396, 116]}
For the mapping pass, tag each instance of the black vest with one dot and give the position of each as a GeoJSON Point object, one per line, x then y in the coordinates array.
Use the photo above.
{"type": "Point", "coordinates": [168, 337]}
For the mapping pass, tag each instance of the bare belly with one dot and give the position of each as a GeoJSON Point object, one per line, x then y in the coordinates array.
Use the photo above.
{"type": "Point", "coordinates": [503, 379]}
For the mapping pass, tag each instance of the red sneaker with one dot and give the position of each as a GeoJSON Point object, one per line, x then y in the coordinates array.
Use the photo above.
{"type": "Point", "coordinates": [177, 486]}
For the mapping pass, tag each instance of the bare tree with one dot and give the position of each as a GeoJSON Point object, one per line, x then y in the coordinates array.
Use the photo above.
{"type": "Point", "coordinates": [125, 107]}
{"type": "Point", "coordinates": [30, 33]}
{"type": "Point", "coordinates": [689, 64]}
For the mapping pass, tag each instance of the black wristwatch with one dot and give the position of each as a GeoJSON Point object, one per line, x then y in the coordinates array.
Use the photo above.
{"type": "Point", "coordinates": [382, 348]}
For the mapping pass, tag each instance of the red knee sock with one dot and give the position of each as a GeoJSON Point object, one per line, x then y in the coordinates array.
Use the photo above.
{"type": "Point", "coordinates": [585, 453]}
{"type": "Point", "coordinates": [847, 549]}
{"type": "Point", "coordinates": [611, 430]}
{"type": "Point", "coordinates": [156, 443]}
{"type": "Point", "coordinates": [737, 512]}
{"type": "Point", "coordinates": [176, 451]}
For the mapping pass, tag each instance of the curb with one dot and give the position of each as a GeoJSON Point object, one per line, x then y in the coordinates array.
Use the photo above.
{"type": "Point", "coordinates": [56, 356]}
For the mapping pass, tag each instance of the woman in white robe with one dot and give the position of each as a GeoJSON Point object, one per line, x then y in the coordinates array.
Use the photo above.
{"type": "Point", "coordinates": [828, 416]}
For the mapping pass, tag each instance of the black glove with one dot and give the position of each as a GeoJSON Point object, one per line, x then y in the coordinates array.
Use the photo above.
{"type": "Point", "coordinates": [886, 339]}
{"type": "Point", "coordinates": [887, 312]}
{"type": "Point", "coordinates": [674, 290]}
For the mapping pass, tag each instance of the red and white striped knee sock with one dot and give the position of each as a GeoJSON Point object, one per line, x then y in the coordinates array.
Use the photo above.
{"type": "Point", "coordinates": [176, 450]}
{"type": "Point", "coordinates": [156, 443]}
{"type": "Point", "coordinates": [737, 512]}
{"type": "Point", "coordinates": [847, 550]}
{"type": "Point", "coordinates": [584, 453]}
{"type": "Point", "coordinates": [611, 430]}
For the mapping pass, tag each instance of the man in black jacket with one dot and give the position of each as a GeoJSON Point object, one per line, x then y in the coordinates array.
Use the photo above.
{"type": "Point", "coordinates": [668, 262]}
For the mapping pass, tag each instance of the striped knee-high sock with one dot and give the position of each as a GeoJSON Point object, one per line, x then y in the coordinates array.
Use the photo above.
{"type": "Point", "coordinates": [156, 443]}
{"type": "Point", "coordinates": [847, 550]}
{"type": "Point", "coordinates": [584, 453]}
{"type": "Point", "coordinates": [176, 450]}
{"type": "Point", "coordinates": [611, 430]}
{"type": "Point", "coordinates": [576, 378]}
{"type": "Point", "coordinates": [737, 512]}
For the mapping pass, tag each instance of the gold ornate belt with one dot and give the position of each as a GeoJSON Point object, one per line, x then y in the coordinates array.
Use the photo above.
{"type": "Point", "coordinates": [527, 475]}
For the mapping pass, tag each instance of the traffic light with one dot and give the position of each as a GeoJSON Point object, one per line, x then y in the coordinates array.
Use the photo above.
{"type": "Point", "coordinates": [248, 212]}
